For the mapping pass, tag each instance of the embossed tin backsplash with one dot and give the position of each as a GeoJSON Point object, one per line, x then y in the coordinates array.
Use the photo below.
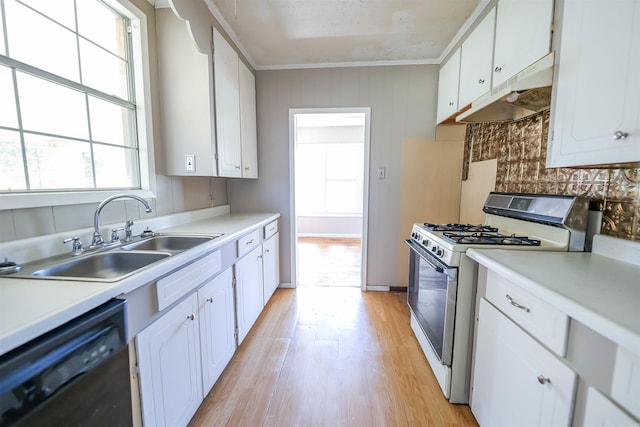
{"type": "Point", "coordinates": [521, 149]}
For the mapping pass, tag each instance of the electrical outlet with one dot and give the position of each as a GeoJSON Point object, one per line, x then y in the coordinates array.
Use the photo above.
{"type": "Point", "coordinates": [381, 173]}
{"type": "Point", "coordinates": [189, 163]}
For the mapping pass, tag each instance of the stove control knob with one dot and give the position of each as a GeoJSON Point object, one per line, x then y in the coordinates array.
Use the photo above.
{"type": "Point", "coordinates": [424, 242]}
{"type": "Point", "coordinates": [413, 235]}
{"type": "Point", "coordinates": [433, 249]}
{"type": "Point", "coordinates": [440, 252]}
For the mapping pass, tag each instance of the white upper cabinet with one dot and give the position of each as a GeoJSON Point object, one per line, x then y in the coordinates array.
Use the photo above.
{"type": "Point", "coordinates": [596, 111]}
{"type": "Point", "coordinates": [227, 95]}
{"type": "Point", "coordinates": [185, 77]}
{"type": "Point", "coordinates": [235, 95]}
{"type": "Point", "coordinates": [448, 80]}
{"type": "Point", "coordinates": [476, 60]}
{"type": "Point", "coordinates": [248, 132]}
{"type": "Point", "coordinates": [523, 35]}
{"type": "Point", "coordinates": [208, 100]}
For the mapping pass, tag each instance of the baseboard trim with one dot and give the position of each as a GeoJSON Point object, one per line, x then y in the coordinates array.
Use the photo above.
{"type": "Point", "coordinates": [377, 288]}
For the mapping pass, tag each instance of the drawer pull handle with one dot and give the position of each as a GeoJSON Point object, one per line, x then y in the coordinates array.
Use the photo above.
{"type": "Point", "coordinates": [515, 304]}
{"type": "Point", "coordinates": [191, 317]}
{"type": "Point", "coordinates": [210, 300]}
{"type": "Point", "coordinates": [249, 242]}
{"type": "Point", "coordinates": [543, 380]}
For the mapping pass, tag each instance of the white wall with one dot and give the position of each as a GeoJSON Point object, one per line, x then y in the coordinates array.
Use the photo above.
{"type": "Point", "coordinates": [402, 101]}
{"type": "Point", "coordinates": [329, 226]}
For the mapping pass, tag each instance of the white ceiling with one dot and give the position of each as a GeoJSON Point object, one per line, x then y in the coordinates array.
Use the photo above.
{"type": "Point", "coordinates": [318, 33]}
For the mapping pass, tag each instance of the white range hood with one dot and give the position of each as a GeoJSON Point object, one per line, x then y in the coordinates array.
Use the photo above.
{"type": "Point", "coordinates": [524, 94]}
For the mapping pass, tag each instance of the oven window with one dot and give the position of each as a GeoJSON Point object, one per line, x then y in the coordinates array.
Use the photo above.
{"type": "Point", "coordinates": [429, 296]}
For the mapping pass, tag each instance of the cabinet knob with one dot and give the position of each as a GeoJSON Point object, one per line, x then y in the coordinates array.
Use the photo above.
{"type": "Point", "coordinates": [481, 81]}
{"type": "Point", "coordinates": [543, 380]}
{"type": "Point", "coordinates": [191, 317]}
{"type": "Point", "coordinates": [237, 166]}
{"type": "Point", "coordinates": [210, 299]}
{"type": "Point", "coordinates": [497, 69]}
{"type": "Point", "coordinates": [451, 103]}
{"type": "Point", "coordinates": [618, 135]}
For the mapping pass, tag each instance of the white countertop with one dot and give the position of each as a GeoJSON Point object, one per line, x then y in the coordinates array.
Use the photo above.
{"type": "Point", "coordinates": [31, 307]}
{"type": "Point", "coordinates": [597, 291]}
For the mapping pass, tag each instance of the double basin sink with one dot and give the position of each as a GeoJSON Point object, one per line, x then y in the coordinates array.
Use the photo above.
{"type": "Point", "coordinates": [115, 262]}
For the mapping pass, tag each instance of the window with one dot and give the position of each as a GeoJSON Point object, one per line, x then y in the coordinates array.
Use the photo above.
{"type": "Point", "coordinates": [329, 164]}
{"type": "Point", "coordinates": [68, 111]}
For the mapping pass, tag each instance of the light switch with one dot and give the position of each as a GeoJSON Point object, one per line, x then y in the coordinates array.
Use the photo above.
{"type": "Point", "coordinates": [189, 163]}
{"type": "Point", "coordinates": [381, 173]}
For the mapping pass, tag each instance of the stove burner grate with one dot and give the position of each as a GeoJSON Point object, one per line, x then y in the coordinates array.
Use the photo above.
{"type": "Point", "coordinates": [489, 239]}
{"type": "Point", "coordinates": [480, 228]}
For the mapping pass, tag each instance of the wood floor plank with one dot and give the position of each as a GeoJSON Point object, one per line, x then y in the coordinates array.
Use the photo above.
{"type": "Point", "coordinates": [323, 356]}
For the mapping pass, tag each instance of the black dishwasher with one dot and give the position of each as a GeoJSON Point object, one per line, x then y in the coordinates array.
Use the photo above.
{"type": "Point", "coordinates": [75, 375]}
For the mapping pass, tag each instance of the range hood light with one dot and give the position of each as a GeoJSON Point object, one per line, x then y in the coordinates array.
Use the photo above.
{"type": "Point", "coordinates": [513, 96]}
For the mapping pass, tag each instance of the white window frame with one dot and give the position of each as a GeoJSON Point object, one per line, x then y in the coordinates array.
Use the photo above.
{"type": "Point", "coordinates": [140, 48]}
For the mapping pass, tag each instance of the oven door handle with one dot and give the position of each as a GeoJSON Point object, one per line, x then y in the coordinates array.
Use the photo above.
{"type": "Point", "coordinates": [427, 257]}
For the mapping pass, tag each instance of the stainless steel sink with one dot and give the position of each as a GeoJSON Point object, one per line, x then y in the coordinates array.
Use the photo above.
{"type": "Point", "coordinates": [103, 266]}
{"type": "Point", "coordinates": [171, 243]}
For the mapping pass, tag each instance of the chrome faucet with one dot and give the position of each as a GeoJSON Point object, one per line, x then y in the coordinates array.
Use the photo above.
{"type": "Point", "coordinates": [97, 238]}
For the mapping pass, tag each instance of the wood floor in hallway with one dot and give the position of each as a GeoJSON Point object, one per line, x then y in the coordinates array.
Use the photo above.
{"type": "Point", "coordinates": [330, 356]}
{"type": "Point", "coordinates": [324, 261]}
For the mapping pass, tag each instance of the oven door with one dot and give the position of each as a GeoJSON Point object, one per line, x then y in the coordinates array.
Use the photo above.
{"type": "Point", "coordinates": [432, 298]}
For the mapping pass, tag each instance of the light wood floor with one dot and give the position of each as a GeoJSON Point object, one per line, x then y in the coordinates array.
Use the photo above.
{"type": "Point", "coordinates": [330, 356]}
{"type": "Point", "coordinates": [329, 261]}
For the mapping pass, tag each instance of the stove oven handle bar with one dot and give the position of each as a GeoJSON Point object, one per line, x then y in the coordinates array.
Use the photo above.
{"type": "Point", "coordinates": [437, 265]}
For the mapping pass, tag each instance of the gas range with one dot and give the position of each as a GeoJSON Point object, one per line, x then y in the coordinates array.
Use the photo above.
{"type": "Point", "coordinates": [442, 278]}
{"type": "Point", "coordinates": [513, 221]}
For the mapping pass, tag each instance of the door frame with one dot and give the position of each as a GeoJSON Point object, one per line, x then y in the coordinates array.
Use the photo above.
{"type": "Point", "coordinates": [365, 184]}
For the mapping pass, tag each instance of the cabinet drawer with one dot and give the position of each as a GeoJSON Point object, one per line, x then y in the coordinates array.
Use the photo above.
{"type": "Point", "coordinates": [248, 242]}
{"type": "Point", "coordinates": [543, 321]}
{"type": "Point", "coordinates": [625, 388]}
{"type": "Point", "coordinates": [176, 285]}
{"type": "Point", "coordinates": [270, 229]}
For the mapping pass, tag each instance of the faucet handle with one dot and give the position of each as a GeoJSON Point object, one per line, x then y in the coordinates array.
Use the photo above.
{"type": "Point", "coordinates": [76, 248]}
{"type": "Point", "coordinates": [114, 234]}
{"type": "Point", "coordinates": [128, 235]}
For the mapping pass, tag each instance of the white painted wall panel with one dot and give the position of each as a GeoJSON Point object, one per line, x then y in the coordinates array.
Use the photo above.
{"type": "Point", "coordinates": [402, 101]}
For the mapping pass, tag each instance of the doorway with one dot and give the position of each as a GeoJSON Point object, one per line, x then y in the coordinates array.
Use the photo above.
{"type": "Point", "coordinates": [329, 196]}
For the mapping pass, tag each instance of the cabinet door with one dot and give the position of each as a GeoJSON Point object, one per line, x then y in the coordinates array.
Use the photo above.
{"type": "Point", "coordinates": [448, 80]}
{"type": "Point", "coordinates": [270, 266]}
{"type": "Point", "coordinates": [600, 411]}
{"type": "Point", "coordinates": [597, 87]}
{"type": "Point", "coordinates": [227, 102]}
{"type": "Point", "coordinates": [523, 35]}
{"type": "Point", "coordinates": [475, 60]}
{"type": "Point", "coordinates": [248, 133]}
{"type": "Point", "coordinates": [249, 291]}
{"type": "Point", "coordinates": [217, 326]}
{"type": "Point", "coordinates": [516, 381]}
{"type": "Point", "coordinates": [169, 363]}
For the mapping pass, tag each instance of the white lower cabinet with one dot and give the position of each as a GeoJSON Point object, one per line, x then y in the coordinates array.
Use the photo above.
{"type": "Point", "coordinates": [249, 291]}
{"type": "Point", "coordinates": [516, 381]}
{"type": "Point", "coordinates": [600, 411]}
{"type": "Point", "coordinates": [217, 327]}
{"type": "Point", "coordinates": [270, 266]}
{"type": "Point", "coordinates": [182, 354]}
{"type": "Point", "coordinates": [169, 366]}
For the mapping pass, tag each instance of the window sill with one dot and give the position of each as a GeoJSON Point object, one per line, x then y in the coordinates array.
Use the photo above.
{"type": "Point", "coordinates": [25, 201]}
